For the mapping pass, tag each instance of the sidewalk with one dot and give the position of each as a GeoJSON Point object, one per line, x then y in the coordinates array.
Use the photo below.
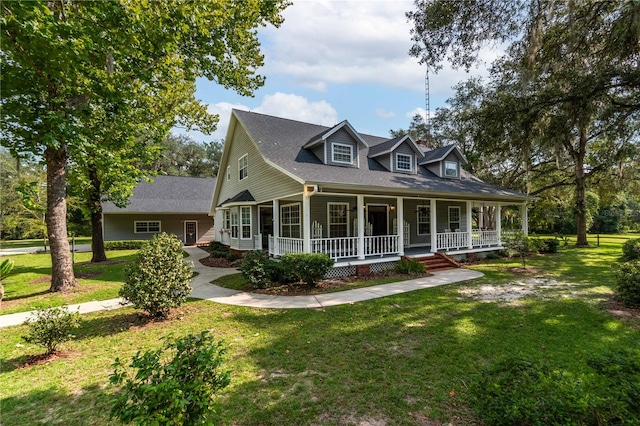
{"type": "Point", "coordinates": [203, 289]}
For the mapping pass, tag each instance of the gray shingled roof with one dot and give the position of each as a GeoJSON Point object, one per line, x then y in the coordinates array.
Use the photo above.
{"type": "Point", "coordinates": [241, 196]}
{"type": "Point", "coordinates": [376, 150]}
{"type": "Point", "coordinates": [281, 141]}
{"type": "Point", "coordinates": [169, 194]}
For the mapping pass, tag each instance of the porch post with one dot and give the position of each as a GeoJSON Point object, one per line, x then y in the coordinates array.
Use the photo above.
{"type": "Point", "coordinates": [306, 223]}
{"type": "Point", "coordinates": [469, 224]}
{"type": "Point", "coordinates": [400, 224]}
{"type": "Point", "coordinates": [499, 222]}
{"type": "Point", "coordinates": [361, 219]}
{"type": "Point", "coordinates": [525, 219]}
{"type": "Point", "coordinates": [481, 218]}
{"type": "Point", "coordinates": [433, 223]}
{"type": "Point", "coordinates": [276, 218]}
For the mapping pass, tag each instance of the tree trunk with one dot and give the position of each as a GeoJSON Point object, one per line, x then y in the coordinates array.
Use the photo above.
{"type": "Point", "coordinates": [62, 277]}
{"type": "Point", "coordinates": [95, 206]}
{"type": "Point", "coordinates": [581, 199]}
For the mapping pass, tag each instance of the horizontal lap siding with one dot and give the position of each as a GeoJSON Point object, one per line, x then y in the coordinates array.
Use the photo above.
{"type": "Point", "coordinates": [318, 210]}
{"type": "Point", "coordinates": [442, 212]}
{"type": "Point", "coordinates": [121, 226]}
{"type": "Point", "coordinates": [342, 137]}
{"type": "Point", "coordinates": [411, 216]}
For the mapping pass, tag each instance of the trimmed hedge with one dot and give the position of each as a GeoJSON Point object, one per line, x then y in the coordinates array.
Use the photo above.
{"type": "Point", "coordinates": [628, 282]}
{"type": "Point", "coordinates": [124, 245]}
{"type": "Point", "coordinates": [307, 267]}
{"type": "Point", "coordinates": [631, 249]}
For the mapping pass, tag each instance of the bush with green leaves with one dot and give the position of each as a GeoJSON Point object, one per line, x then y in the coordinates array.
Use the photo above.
{"type": "Point", "coordinates": [158, 279]}
{"type": "Point", "coordinates": [409, 266]}
{"type": "Point", "coordinates": [51, 327]}
{"type": "Point", "coordinates": [174, 385]}
{"type": "Point", "coordinates": [628, 282]}
{"type": "Point", "coordinates": [518, 244]}
{"type": "Point", "coordinates": [550, 245]}
{"type": "Point", "coordinates": [307, 267]}
{"type": "Point", "coordinates": [6, 266]}
{"type": "Point", "coordinates": [521, 390]}
{"type": "Point", "coordinates": [631, 249]}
{"type": "Point", "coordinates": [258, 269]}
{"type": "Point", "coordinates": [124, 245]}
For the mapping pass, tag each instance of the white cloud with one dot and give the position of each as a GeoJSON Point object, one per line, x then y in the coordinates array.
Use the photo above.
{"type": "Point", "coordinates": [384, 113]}
{"type": "Point", "coordinates": [415, 111]}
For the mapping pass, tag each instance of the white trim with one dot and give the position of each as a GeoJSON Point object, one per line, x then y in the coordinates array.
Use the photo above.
{"type": "Point", "coordinates": [335, 128]}
{"type": "Point", "coordinates": [282, 206]}
{"type": "Point", "coordinates": [228, 173]}
{"type": "Point", "coordinates": [410, 169]}
{"type": "Point", "coordinates": [185, 229]}
{"type": "Point", "coordinates": [449, 221]}
{"type": "Point", "coordinates": [246, 168]}
{"type": "Point", "coordinates": [329, 218]}
{"type": "Point", "coordinates": [428, 213]}
{"type": "Point", "coordinates": [136, 222]}
{"type": "Point", "coordinates": [242, 224]}
{"type": "Point", "coordinates": [454, 163]}
{"type": "Point", "coordinates": [237, 225]}
{"type": "Point", "coordinates": [333, 153]}
{"type": "Point", "coordinates": [413, 144]}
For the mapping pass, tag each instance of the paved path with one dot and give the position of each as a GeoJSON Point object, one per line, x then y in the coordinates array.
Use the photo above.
{"type": "Point", "coordinates": [203, 289]}
{"type": "Point", "coordinates": [31, 250]}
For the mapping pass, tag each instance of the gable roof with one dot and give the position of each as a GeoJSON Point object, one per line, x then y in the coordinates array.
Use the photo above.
{"type": "Point", "coordinates": [325, 134]}
{"type": "Point", "coordinates": [241, 197]}
{"type": "Point", "coordinates": [281, 142]}
{"type": "Point", "coordinates": [440, 154]}
{"type": "Point", "coordinates": [168, 194]}
{"type": "Point", "coordinates": [388, 146]}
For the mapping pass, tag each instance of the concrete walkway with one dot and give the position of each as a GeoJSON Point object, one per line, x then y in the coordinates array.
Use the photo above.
{"type": "Point", "coordinates": [203, 289]}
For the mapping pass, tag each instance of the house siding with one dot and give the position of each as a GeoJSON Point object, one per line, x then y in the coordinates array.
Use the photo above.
{"type": "Point", "coordinates": [319, 151]}
{"type": "Point", "coordinates": [404, 148]}
{"type": "Point", "coordinates": [451, 157]}
{"type": "Point", "coordinates": [435, 168]}
{"type": "Point", "coordinates": [341, 137]}
{"type": "Point", "coordinates": [263, 181]}
{"type": "Point", "coordinates": [442, 212]}
{"type": "Point", "coordinates": [121, 226]}
{"type": "Point", "coordinates": [411, 216]}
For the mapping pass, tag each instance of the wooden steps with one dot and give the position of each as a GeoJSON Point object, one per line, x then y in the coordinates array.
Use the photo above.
{"type": "Point", "coordinates": [437, 262]}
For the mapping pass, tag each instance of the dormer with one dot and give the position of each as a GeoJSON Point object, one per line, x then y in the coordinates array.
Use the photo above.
{"type": "Point", "coordinates": [338, 146]}
{"type": "Point", "coordinates": [445, 162]}
{"type": "Point", "coordinates": [399, 155]}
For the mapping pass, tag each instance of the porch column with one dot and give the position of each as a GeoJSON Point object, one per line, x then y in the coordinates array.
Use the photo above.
{"type": "Point", "coordinates": [469, 224]}
{"type": "Point", "coordinates": [433, 223]}
{"type": "Point", "coordinates": [276, 218]}
{"type": "Point", "coordinates": [400, 222]}
{"type": "Point", "coordinates": [499, 222]}
{"type": "Point", "coordinates": [306, 223]}
{"type": "Point", "coordinates": [360, 215]}
{"type": "Point", "coordinates": [525, 219]}
{"type": "Point", "coordinates": [481, 218]}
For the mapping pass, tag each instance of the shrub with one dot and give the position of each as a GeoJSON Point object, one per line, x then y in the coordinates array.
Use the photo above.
{"type": "Point", "coordinates": [550, 245]}
{"type": "Point", "coordinates": [518, 244]}
{"type": "Point", "coordinates": [5, 269]}
{"type": "Point", "coordinates": [158, 279]}
{"type": "Point", "coordinates": [628, 282]}
{"type": "Point", "coordinates": [51, 327]}
{"type": "Point", "coordinates": [124, 245]}
{"type": "Point", "coordinates": [218, 250]}
{"type": "Point", "coordinates": [257, 268]}
{"type": "Point", "coordinates": [307, 267]}
{"type": "Point", "coordinates": [409, 266]}
{"type": "Point", "coordinates": [631, 249]}
{"type": "Point", "coordinates": [495, 255]}
{"type": "Point", "coordinates": [173, 385]}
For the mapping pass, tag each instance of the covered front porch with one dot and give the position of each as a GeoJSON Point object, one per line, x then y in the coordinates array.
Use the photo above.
{"type": "Point", "coordinates": [356, 228]}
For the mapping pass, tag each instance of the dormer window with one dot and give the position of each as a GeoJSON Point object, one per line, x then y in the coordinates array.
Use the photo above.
{"type": "Point", "coordinates": [341, 153]}
{"type": "Point", "coordinates": [243, 167]}
{"type": "Point", "coordinates": [404, 162]}
{"type": "Point", "coordinates": [450, 168]}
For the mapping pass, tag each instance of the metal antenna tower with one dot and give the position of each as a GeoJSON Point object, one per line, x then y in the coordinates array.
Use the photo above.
{"type": "Point", "coordinates": [427, 120]}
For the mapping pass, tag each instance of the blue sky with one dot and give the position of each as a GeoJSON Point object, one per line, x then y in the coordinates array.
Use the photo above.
{"type": "Point", "coordinates": [337, 60]}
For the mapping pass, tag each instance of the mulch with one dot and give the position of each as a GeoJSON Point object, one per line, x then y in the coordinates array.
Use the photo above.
{"type": "Point", "coordinates": [217, 262]}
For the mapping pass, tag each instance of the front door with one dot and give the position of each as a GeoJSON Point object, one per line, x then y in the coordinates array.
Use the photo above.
{"type": "Point", "coordinates": [190, 232]}
{"type": "Point", "coordinates": [266, 226]}
{"type": "Point", "coordinates": [377, 217]}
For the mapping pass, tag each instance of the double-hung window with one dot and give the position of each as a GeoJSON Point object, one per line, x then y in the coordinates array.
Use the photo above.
{"type": "Point", "coordinates": [234, 223]}
{"type": "Point", "coordinates": [454, 219]}
{"type": "Point", "coordinates": [226, 219]}
{"type": "Point", "coordinates": [338, 219]}
{"type": "Point", "coordinates": [228, 173]}
{"type": "Point", "coordinates": [243, 167]}
{"type": "Point", "coordinates": [450, 168]}
{"type": "Point", "coordinates": [341, 153]}
{"type": "Point", "coordinates": [403, 162]}
{"type": "Point", "coordinates": [147, 227]}
{"type": "Point", "coordinates": [245, 222]}
{"type": "Point", "coordinates": [290, 221]}
{"type": "Point", "coordinates": [424, 220]}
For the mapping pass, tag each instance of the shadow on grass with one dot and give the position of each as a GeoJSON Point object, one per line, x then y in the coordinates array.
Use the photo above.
{"type": "Point", "coordinates": [112, 324]}
{"type": "Point", "coordinates": [8, 297]}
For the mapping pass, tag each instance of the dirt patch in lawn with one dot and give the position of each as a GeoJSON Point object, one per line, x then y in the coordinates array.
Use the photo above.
{"type": "Point", "coordinates": [616, 308]}
{"type": "Point", "coordinates": [514, 290]}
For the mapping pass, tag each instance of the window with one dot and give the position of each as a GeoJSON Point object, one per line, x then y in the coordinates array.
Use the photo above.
{"type": "Point", "coordinates": [450, 168]}
{"type": "Point", "coordinates": [424, 220]}
{"type": "Point", "coordinates": [146, 227]}
{"type": "Point", "coordinates": [338, 218]}
{"type": "Point", "coordinates": [226, 219]}
{"type": "Point", "coordinates": [290, 221]}
{"type": "Point", "coordinates": [454, 219]}
{"type": "Point", "coordinates": [245, 222]}
{"type": "Point", "coordinates": [341, 153]}
{"type": "Point", "coordinates": [243, 167]}
{"type": "Point", "coordinates": [228, 173]}
{"type": "Point", "coordinates": [403, 162]}
{"type": "Point", "coordinates": [234, 223]}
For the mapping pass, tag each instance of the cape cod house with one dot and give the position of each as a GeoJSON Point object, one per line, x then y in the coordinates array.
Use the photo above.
{"type": "Point", "coordinates": [287, 186]}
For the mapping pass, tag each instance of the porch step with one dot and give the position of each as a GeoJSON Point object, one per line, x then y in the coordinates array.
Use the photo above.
{"type": "Point", "coordinates": [437, 262]}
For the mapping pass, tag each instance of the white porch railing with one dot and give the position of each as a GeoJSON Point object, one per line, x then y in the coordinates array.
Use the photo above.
{"type": "Point", "coordinates": [452, 240]}
{"type": "Point", "coordinates": [336, 247]}
{"type": "Point", "coordinates": [482, 238]}
{"type": "Point", "coordinates": [257, 241]}
{"type": "Point", "coordinates": [380, 245]}
{"type": "Point", "coordinates": [281, 245]}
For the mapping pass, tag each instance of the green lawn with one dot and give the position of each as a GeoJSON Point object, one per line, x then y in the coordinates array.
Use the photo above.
{"type": "Point", "coordinates": [27, 287]}
{"type": "Point", "coordinates": [390, 361]}
{"type": "Point", "coordinates": [8, 244]}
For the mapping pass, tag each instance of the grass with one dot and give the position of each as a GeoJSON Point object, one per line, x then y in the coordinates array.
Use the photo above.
{"type": "Point", "coordinates": [27, 288]}
{"type": "Point", "coordinates": [9, 244]}
{"type": "Point", "coordinates": [392, 360]}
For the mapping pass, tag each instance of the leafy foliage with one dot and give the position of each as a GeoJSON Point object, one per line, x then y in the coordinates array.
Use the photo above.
{"type": "Point", "coordinates": [174, 385]}
{"type": "Point", "coordinates": [307, 267]}
{"type": "Point", "coordinates": [628, 282]}
{"type": "Point", "coordinates": [524, 390]}
{"type": "Point", "coordinates": [258, 269]}
{"type": "Point", "coordinates": [124, 245]}
{"type": "Point", "coordinates": [6, 266]}
{"type": "Point", "coordinates": [518, 244]}
{"type": "Point", "coordinates": [158, 279]}
{"type": "Point", "coordinates": [219, 250]}
{"type": "Point", "coordinates": [409, 266]}
{"type": "Point", "coordinates": [51, 327]}
{"type": "Point", "coordinates": [631, 249]}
